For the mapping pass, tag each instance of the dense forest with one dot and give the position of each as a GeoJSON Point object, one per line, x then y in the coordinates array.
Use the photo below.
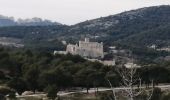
{"type": "Point", "coordinates": [24, 70]}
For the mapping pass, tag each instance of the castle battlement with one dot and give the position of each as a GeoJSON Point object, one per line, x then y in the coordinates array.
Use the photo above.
{"type": "Point", "coordinates": [86, 49]}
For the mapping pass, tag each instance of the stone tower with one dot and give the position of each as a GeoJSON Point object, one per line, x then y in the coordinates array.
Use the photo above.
{"type": "Point", "coordinates": [87, 49]}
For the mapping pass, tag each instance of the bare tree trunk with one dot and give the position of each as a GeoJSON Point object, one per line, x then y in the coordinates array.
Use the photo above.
{"type": "Point", "coordinates": [113, 90]}
{"type": "Point", "coordinates": [151, 91]}
{"type": "Point", "coordinates": [87, 90]}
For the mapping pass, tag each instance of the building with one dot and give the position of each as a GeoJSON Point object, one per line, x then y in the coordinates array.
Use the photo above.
{"type": "Point", "coordinates": [167, 49]}
{"type": "Point", "coordinates": [131, 65]}
{"type": "Point", "coordinates": [92, 51]}
{"type": "Point", "coordinates": [86, 49]}
{"type": "Point", "coordinates": [104, 62]}
{"type": "Point", "coordinates": [60, 52]}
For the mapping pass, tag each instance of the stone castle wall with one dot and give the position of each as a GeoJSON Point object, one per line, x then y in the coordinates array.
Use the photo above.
{"type": "Point", "coordinates": [87, 49]}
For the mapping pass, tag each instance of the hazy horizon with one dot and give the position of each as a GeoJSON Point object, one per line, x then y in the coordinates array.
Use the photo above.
{"type": "Point", "coordinates": [71, 11]}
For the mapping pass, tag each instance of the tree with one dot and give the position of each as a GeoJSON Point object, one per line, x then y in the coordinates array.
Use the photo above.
{"type": "Point", "coordinates": [2, 97]}
{"type": "Point", "coordinates": [165, 96]}
{"type": "Point", "coordinates": [111, 78]}
{"type": "Point", "coordinates": [52, 92]}
{"type": "Point", "coordinates": [84, 78]}
{"type": "Point", "coordinates": [130, 81]}
{"type": "Point", "coordinates": [18, 84]}
{"type": "Point", "coordinates": [155, 72]}
{"type": "Point", "coordinates": [97, 78]}
{"type": "Point", "coordinates": [156, 94]}
{"type": "Point", "coordinates": [12, 96]}
{"type": "Point", "coordinates": [130, 78]}
{"type": "Point", "coordinates": [59, 77]}
{"type": "Point", "coordinates": [31, 77]}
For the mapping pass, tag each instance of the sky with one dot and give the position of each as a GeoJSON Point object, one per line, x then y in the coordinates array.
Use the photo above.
{"type": "Point", "coordinates": [71, 11]}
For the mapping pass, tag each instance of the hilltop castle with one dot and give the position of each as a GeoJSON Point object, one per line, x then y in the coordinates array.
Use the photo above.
{"type": "Point", "coordinates": [85, 49]}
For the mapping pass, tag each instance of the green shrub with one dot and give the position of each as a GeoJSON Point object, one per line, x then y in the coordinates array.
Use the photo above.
{"type": "Point", "coordinates": [5, 91]}
{"type": "Point", "coordinates": [106, 96]}
{"type": "Point", "coordinates": [166, 96]}
{"type": "Point", "coordinates": [156, 94]}
{"type": "Point", "coordinates": [2, 97]}
{"type": "Point", "coordinates": [142, 96]}
{"type": "Point", "coordinates": [12, 96]}
{"type": "Point", "coordinates": [52, 92]}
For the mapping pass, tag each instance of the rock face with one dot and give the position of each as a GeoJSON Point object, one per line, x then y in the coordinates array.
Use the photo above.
{"type": "Point", "coordinates": [9, 21]}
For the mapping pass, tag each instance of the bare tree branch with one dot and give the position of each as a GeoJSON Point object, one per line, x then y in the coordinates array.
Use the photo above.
{"type": "Point", "coordinates": [113, 90]}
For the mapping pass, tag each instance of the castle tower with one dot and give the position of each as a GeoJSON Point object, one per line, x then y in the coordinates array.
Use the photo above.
{"type": "Point", "coordinates": [86, 39]}
{"type": "Point", "coordinates": [87, 49]}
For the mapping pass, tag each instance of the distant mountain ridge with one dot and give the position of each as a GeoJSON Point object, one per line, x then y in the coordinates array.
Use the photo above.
{"type": "Point", "coordinates": [144, 26]}
{"type": "Point", "coordinates": [141, 27]}
{"type": "Point", "coordinates": [9, 21]}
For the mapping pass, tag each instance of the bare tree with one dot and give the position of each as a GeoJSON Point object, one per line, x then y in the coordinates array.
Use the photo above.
{"type": "Point", "coordinates": [131, 83]}
{"type": "Point", "coordinates": [113, 89]}
{"type": "Point", "coordinates": [130, 80]}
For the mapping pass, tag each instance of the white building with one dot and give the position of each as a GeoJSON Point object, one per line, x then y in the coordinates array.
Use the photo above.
{"type": "Point", "coordinates": [105, 62]}
{"type": "Point", "coordinates": [131, 65]}
{"type": "Point", "coordinates": [85, 49]}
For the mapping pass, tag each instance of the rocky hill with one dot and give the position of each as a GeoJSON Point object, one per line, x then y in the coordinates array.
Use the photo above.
{"type": "Point", "coordinates": [142, 27]}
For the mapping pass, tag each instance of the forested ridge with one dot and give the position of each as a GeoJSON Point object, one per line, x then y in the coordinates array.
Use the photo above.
{"type": "Point", "coordinates": [24, 70]}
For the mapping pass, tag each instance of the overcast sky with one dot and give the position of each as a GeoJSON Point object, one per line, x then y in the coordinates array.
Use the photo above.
{"type": "Point", "coordinates": [71, 11]}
